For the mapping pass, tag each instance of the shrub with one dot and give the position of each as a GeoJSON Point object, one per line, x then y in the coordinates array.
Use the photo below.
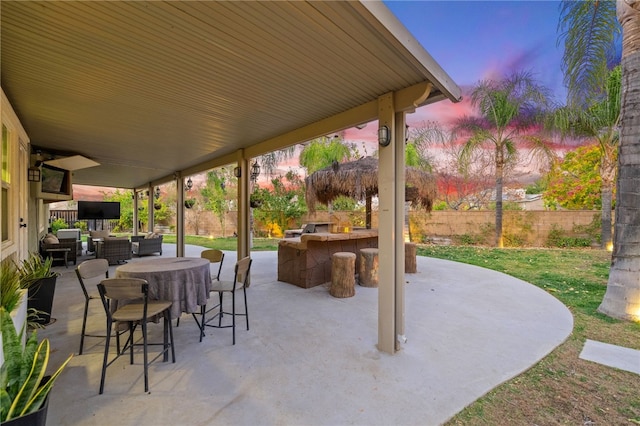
{"type": "Point", "coordinates": [558, 238]}
{"type": "Point", "coordinates": [59, 224]}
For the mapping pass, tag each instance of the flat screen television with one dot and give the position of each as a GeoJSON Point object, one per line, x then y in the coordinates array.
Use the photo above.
{"type": "Point", "coordinates": [55, 184]}
{"type": "Point", "coordinates": [98, 210]}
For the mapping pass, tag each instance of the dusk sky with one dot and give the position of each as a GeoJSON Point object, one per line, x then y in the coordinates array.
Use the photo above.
{"type": "Point", "coordinates": [476, 40]}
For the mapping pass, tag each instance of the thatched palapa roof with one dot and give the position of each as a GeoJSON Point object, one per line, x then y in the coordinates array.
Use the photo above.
{"type": "Point", "coordinates": [359, 179]}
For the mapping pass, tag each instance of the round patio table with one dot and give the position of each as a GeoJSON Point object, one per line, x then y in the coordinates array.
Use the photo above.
{"type": "Point", "coordinates": [185, 281]}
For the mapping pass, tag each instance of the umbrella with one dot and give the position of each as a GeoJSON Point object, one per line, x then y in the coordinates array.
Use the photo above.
{"type": "Point", "coordinates": [359, 179]}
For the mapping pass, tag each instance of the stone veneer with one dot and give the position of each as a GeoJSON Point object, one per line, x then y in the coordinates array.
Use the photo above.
{"type": "Point", "coordinates": [305, 261]}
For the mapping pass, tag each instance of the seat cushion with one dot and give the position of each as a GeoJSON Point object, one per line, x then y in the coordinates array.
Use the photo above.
{"type": "Point", "coordinates": [134, 311]}
{"type": "Point", "coordinates": [98, 234]}
{"type": "Point", "coordinates": [224, 286]}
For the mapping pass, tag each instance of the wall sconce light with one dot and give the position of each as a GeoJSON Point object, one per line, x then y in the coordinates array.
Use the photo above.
{"type": "Point", "coordinates": [33, 174]}
{"type": "Point", "coordinates": [237, 172]}
{"type": "Point", "coordinates": [189, 185]}
{"type": "Point", "coordinates": [384, 136]}
{"type": "Point", "coordinates": [255, 171]}
{"type": "Point", "coordinates": [156, 192]}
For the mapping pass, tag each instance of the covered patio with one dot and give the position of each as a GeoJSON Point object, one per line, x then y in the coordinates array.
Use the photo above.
{"type": "Point", "coordinates": [155, 92]}
{"type": "Point", "coordinates": [311, 359]}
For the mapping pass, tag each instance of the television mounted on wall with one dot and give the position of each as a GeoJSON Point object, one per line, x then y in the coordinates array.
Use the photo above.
{"type": "Point", "coordinates": [55, 184]}
{"type": "Point", "coordinates": [98, 210]}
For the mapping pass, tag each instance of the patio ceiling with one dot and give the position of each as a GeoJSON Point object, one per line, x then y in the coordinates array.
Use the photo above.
{"type": "Point", "coordinates": [148, 89]}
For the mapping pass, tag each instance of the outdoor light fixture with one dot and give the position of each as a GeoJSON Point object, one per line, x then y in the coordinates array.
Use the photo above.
{"type": "Point", "coordinates": [237, 172]}
{"type": "Point", "coordinates": [189, 185]}
{"type": "Point", "coordinates": [255, 171]}
{"type": "Point", "coordinates": [33, 174]}
{"type": "Point", "coordinates": [384, 136]}
{"type": "Point", "coordinates": [156, 192]}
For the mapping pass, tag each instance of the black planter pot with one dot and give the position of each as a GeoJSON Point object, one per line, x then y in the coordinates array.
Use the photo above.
{"type": "Point", "coordinates": [37, 418]}
{"type": "Point", "coordinates": [41, 298]}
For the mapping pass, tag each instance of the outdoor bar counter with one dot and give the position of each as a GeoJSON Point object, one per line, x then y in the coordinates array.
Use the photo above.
{"type": "Point", "coordinates": [306, 260]}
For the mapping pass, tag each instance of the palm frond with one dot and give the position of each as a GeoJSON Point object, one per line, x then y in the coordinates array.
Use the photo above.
{"type": "Point", "coordinates": [588, 30]}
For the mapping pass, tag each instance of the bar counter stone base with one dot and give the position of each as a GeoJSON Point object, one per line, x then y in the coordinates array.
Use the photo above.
{"type": "Point", "coordinates": [305, 261]}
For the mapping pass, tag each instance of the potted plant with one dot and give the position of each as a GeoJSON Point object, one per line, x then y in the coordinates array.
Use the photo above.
{"type": "Point", "coordinates": [13, 298]}
{"type": "Point", "coordinates": [11, 291]}
{"type": "Point", "coordinates": [23, 384]}
{"type": "Point", "coordinates": [189, 202]}
{"type": "Point", "coordinates": [36, 276]}
{"type": "Point", "coordinates": [255, 201]}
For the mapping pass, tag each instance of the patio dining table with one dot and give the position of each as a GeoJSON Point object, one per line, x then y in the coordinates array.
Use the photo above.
{"type": "Point", "coordinates": [185, 281]}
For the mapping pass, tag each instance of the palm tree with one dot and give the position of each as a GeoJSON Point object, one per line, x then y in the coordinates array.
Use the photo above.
{"type": "Point", "coordinates": [589, 30]}
{"type": "Point", "coordinates": [323, 152]}
{"type": "Point", "coordinates": [622, 299]}
{"type": "Point", "coordinates": [510, 111]}
{"type": "Point", "coordinates": [599, 121]}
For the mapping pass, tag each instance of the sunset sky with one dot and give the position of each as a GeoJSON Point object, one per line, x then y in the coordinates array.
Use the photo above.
{"type": "Point", "coordinates": [476, 40]}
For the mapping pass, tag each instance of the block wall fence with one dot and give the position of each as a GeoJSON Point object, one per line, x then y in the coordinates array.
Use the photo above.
{"type": "Point", "coordinates": [524, 228]}
{"type": "Point", "coordinates": [521, 228]}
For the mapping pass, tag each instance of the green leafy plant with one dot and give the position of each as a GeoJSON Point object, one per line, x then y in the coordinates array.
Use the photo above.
{"type": "Point", "coordinates": [22, 388]}
{"type": "Point", "coordinates": [59, 224]}
{"type": "Point", "coordinates": [34, 268]}
{"type": "Point", "coordinates": [10, 288]}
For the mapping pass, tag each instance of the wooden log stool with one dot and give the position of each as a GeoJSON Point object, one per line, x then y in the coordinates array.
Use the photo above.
{"type": "Point", "coordinates": [410, 263]}
{"type": "Point", "coordinates": [368, 267]}
{"type": "Point", "coordinates": [343, 272]}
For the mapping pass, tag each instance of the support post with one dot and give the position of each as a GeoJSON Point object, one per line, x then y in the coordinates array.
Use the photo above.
{"type": "Point", "coordinates": [179, 216]}
{"type": "Point", "coordinates": [386, 229]}
{"type": "Point", "coordinates": [150, 210]}
{"type": "Point", "coordinates": [244, 232]}
{"type": "Point", "coordinates": [398, 226]}
{"type": "Point", "coordinates": [135, 212]}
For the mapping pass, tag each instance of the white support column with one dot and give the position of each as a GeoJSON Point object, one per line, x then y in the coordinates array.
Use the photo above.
{"type": "Point", "coordinates": [135, 212]}
{"type": "Point", "coordinates": [179, 216]}
{"type": "Point", "coordinates": [399, 180]}
{"type": "Point", "coordinates": [386, 229]}
{"type": "Point", "coordinates": [244, 231]}
{"type": "Point", "coordinates": [150, 218]}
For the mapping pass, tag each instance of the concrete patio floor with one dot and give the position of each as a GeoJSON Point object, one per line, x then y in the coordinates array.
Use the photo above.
{"type": "Point", "coordinates": [311, 359]}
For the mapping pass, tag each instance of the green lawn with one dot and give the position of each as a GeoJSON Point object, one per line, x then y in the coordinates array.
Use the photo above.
{"type": "Point", "coordinates": [560, 389]}
{"type": "Point", "coordinates": [259, 244]}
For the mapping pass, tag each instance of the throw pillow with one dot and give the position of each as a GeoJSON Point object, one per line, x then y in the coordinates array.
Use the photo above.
{"type": "Point", "coordinates": [51, 239]}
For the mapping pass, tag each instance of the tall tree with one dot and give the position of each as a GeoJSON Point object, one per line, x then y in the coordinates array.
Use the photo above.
{"type": "Point", "coordinates": [574, 182]}
{"type": "Point", "coordinates": [598, 121]}
{"type": "Point", "coordinates": [215, 195]}
{"type": "Point", "coordinates": [509, 113]}
{"type": "Point", "coordinates": [622, 298]}
{"type": "Point", "coordinates": [323, 152]}
{"type": "Point", "coordinates": [419, 142]}
{"type": "Point", "coordinates": [588, 29]}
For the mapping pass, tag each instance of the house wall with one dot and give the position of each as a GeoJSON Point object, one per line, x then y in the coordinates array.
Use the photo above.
{"type": "Point", "coordinates": [18, 224]}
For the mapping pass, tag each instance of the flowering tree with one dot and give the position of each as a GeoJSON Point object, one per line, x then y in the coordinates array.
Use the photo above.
{"type": "Point", "coordinates": [575, 182]}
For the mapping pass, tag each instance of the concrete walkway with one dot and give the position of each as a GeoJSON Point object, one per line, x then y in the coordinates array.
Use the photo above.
{"type": "Point", "coordinates": [311, 359]}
